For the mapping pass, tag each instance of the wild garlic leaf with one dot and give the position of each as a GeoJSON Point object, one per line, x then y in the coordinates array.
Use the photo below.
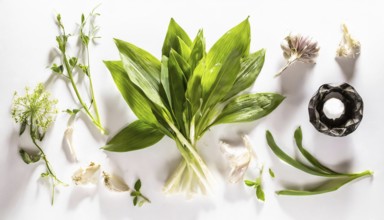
{"type": "Point", "coordinates": [299, 143]}
{"type": "Point", "coordinates": [325, 187]}
{"type": "Point", "coordinates": [171, 39]}
{"type": "Point", "coordinates": [183, 64]}
{"type": "Point", "coordinates": [135, 136]}
{"type": "Point", "coordinates": [142, 68]}
{"type": "Point", "coordinates": [164, 80]}
{"type": "Point", "coordinates": [249, 107]}
{"type": "Point", "coordinates": [184, 49]}
{"type": "Point", "coordinates": [250, 69]}
{"type": "Point", "coordinates": [197, 50]}
{"type": "Point", "coordinates": [135, 98]}
{"type": "Point", "coordinates": [286, 158]}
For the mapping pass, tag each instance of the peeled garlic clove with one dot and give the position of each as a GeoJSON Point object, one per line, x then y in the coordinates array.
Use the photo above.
{"type": "Point", "coordinates": [238, 157]}
{"type": "Point", "coordinates": [89, 175]}
{"type": "Point", "coordinates": [115, 183]}
{"type": "Point", "coordinates": [348, 46]}
{"type": "Point", "coordinates": [68, 138]}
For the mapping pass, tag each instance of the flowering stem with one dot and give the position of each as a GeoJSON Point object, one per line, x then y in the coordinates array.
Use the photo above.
{"type": "Point", "coordinates": [289, 63]}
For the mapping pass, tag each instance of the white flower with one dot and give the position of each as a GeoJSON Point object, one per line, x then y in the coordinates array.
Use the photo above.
{"type": "Point", "coordinates": [89, 175]}
{"type": "Point", "coordinates": [348, 46]}
{"type": "Point", "coordinates": [298, 48]}
{"type": "Point", "coordinates": [115, 183]}
{"type": "Point", "coordinates": [239, 158]}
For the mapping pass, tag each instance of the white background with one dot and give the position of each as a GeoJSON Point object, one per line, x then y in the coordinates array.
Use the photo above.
{"type": "Point", "coordinates": [27, 36]}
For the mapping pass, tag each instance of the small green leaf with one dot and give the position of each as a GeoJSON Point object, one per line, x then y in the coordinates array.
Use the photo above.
{"type": "Point", "coordinates": [249, 107]}
{"type": "Point", "coordinates": [135, 136]}
{"type": "Point", "coordinates": [138, 185]}
{"type": "Point", "coordinates": [141, 203]}
{"type": "Point", "coordinates": [57, 69]}
{"type": "Point", "coordinates": [249, 183]}
{"type": "Point", "coordinates": [44, 174]}
{"type": "Point", "coordinates": [325, 187]}
{"type": "Point", "coordinates": [29, 158]}
{"type": "Point", "coordinates": [260, 193]}
{"type": "Point", "coordinates": [82, 18]}
{"type": "Point", "coordinates": [299, 143]}
{"type": "Point", "coordinates": [73, 61]}
{"type": "Point", "coordinates": [23, 127]}
{"type": "Point", "coordinates": [171, 41]}
{"type": "Point", "coordinates": [84, 39]}
{"type": "Point", "coordinates": [135, 201]}
{"type": "Point", "coordinates": [286, 158]}
{"type": "Point", "coordinates": [271, 173]}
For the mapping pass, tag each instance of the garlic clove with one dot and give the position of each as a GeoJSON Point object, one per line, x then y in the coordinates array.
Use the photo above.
{"type": "Point", "coordinates": [115, 183]}
{"type": "Point", "coordinates": [89, 175]}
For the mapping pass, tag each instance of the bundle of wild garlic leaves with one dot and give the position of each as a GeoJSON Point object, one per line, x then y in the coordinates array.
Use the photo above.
{"type": "Point", "coordinates": [186, 93]}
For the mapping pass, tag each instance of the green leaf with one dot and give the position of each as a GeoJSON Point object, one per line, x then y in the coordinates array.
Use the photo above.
{"type": "Point", "coordinates": [164, 80]}
{"type": "Point", "coordinates": [271, 173]}
{"type": "Point", "coordinates": [135, 201]}
{"type": "Point", "coordinates": [138, 185]}
{"type": "Point", "coordinates": [29, 158]}
{"type": "Point", "coordinates": [23, 127]}
{"type": "Point", "coordinates": [286, 158]}
{"type": "Point", "coordinates": [135, 98]}
{"type": "Point", "coordinates": [260, 193]}
{"type": "Point", "coordinates": [142, 68]}
{"type": "Point", "coordinates": [183, 64]}
{"type": "Point", "coordinates": [325, 187]}
{"type": "Point", "coordinates": [73, 61]}
{"type": "Point", "coordinates": [57, 69]}
{"type": "Point", "coordinates": [197, 51]}
{"type": "Point", "coordinates": [249, 183]}
{"type": "Point", "coordinates": [135, 136]}
{"type": "Point", "coordinates": [299, 143]}
{"type": "Point", "coordinates": [249, 107]}
{"type": "Point", "coordinates": [171, 41]}
{"type": "Point", "coordinates": [184, 49]}
{"type": "Point", "coordinates": [250, 69]}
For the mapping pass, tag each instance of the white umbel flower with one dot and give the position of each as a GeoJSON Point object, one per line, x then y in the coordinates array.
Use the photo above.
{"type": "Point", "coordinates": [239, 158]}
{"type": "Point", "coordinates": [348, 46]}
{"type": "Point", "coordinates": [298, 48]}
{"type": "Point", "coordinates": [89, 175]}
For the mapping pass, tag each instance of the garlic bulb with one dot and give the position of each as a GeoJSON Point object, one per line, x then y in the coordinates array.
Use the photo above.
{"type": "Point", "coordinates": [348, 46]}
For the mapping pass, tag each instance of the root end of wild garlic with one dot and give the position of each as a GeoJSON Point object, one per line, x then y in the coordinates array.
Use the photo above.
{"type": "Point", "coordinates": [348, 46]}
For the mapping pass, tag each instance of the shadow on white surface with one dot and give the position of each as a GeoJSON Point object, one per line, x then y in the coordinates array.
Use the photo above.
{"type": "Point", "coordinates": [347, 66]}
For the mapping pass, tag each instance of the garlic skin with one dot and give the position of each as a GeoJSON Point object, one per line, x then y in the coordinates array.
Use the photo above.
{"type": "Point", "coordinates": [68, 138]}
{"type": "Point", "coordinates": [115, 183]}
{"type": "Point", "coordinates": [297, 47]}
{"type": "Point", "coordinates": [348, 46]}
{"type": "Point", "coordinates": [239, 158]}
{"type": "Point", "coordinates": [89, 175]}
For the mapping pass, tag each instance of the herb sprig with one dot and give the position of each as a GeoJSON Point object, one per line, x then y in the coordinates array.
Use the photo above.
{"type": "Point", "coordinates": [36, 111]}
{"type": "Point", "coordinates": [335, 179]}
{"type": "Point", "coordinates": [79, 64]}
{"type": "Point", "coordinates": [257, 185]}
{"type": "Point", "coordinates": [138, 198]}
{"type": "Point", "coordinates": [186, 93]}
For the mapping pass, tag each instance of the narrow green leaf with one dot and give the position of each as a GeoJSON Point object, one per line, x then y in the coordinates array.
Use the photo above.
{"type": "Point", "coordinates": [271, 173]}
{"type": "Point", "coordinates": [135, 98]}
{"type": "Point", "coordinates": [185, 50]}
{"type": "Point", "coordinates": [183, 64]}
{"type": "Point", "coordinates": [135, 136]}
{"type": "Point", "coordinates": [142, 68]}
{"type": "Point", "coordinates": [249, 107]}
{"type": "Point", "coordinates": [171, 39]}
{"type": "Point", "coordinates": [249, 183]}
{"type": "Point", "coordinates": [138, 185]}
{"type": "Point", "coordinates": [197, 51]}
{"type": "Point", "coordinates": [23, 127]}
{"type": "Point", "coordinates": [299, 143]}
{"type": "Point", "coordinates": [164, 79]}
{"type": "Point", "coordinates": [250, 69]}
{"type": "Point", "coordinates": [286, 158]}
{"type": "Point", "coordinates": [260, 193]}
{"type": "Point", "coordinates": [135, 201]}
{"type": "Point", "coordinates": [325, 187]}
